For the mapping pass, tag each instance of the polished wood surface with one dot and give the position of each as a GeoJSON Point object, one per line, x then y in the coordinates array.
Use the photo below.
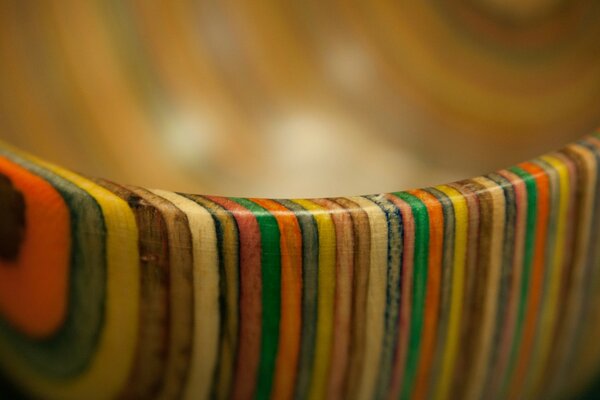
{"type": "Point", "coordinates": [296, 98]}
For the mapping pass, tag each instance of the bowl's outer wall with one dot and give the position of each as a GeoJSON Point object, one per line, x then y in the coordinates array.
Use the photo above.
{"type": "Point", "coordinates": [296, 99]}
{"type": "Point", "coordinates": [483, 288]}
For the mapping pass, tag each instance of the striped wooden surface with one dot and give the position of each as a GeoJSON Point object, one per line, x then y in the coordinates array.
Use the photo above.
{"type": "Point", "coordinates": [486, 288]}
{"type": "Point", "coordinates": [483, 288]}
{"type": "Point", "coordinates": [296, 98]}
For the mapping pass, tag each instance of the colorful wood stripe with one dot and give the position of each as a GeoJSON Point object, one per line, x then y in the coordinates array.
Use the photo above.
{"type": "Point", "coordinates": [483, 288]}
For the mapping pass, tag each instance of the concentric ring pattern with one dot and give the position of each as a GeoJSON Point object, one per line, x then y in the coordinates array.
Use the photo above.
{"type": "Point", "coordinates": [483, 288]}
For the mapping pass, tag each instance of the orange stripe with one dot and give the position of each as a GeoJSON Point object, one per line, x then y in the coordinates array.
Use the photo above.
{"type": "Point", "coordinates": [291, 299]}
{"type": "Point", "coordinates": [537, 274]}
{"type": "Point", "coordinates": [432, 299]}
{"type": "Point", "coordinates": [33, 289]}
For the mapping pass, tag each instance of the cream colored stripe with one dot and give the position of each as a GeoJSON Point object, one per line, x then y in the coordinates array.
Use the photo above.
{"type": "Point", "coordinates": [206, 296]}
{"type": "Point", "coordinates": [110, 365]}
{"type": "Point", "coordinates": [326, 299]}
{"type": "Point", "coordinates": [492, 286]}
{"type": "Point", "coordinates": [376, 300]}
{"type": "Point", "coordinates": [461, 226]}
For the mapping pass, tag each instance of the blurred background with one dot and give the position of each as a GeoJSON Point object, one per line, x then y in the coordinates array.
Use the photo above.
{"type": "Point", "coordinates": [296, 98]}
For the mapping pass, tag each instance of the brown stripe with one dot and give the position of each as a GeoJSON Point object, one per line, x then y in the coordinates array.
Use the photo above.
{"type": "Point", "coordinates": [228, 248]}
{"type": "Point", "coordinates": [362, 256]}
{"type": "Point", "coordinates": [181, 305]}
{"type": "Point", "coordinates": [343, 297]}
{"type": "Point", "coordinates": [12, 217]}
{"type": "Point", "coordinates": [145, 378]}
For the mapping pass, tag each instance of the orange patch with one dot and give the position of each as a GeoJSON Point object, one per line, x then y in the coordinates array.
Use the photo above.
{"type": "Point", "coordinates": [33, 286]}
{"type": "Point", "coordinates": [434, 281]}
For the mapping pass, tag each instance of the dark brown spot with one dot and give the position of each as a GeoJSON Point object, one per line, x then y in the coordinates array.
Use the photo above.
{"type": "Point", "coordinates": [12, 219]}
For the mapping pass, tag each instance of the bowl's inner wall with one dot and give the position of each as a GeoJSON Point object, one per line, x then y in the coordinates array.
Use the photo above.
{"type": "Point", "coordinates": [296, 99]}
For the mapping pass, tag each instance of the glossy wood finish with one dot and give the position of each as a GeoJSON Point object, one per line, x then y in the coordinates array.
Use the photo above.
{"type": "Point", "coordinates": [482, 288]}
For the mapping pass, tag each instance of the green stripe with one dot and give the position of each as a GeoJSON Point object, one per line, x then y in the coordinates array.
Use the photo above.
{"type": "Point", "coordinates": [531, 187]}
{"type": "Point", "coordinates": [271, 295]}
{"type": "Point", "coordinates": [310, 295]}
{"type": "Point", "coordinates": [421, 258]}
{"type": "Point", "coordinates": [446, 284]}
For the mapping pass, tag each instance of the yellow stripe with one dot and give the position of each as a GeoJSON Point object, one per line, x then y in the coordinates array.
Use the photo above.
{"type": "Point", "coordinates": [110, 366]}
{"type": "Point", "coordinates": [325, 307]}
{"type": "Point", "coordinates": [461, 219]}
{"type": "Point", "coordinates": [376, 300]}
{"type": "Point", "coordinates": [549, 310]}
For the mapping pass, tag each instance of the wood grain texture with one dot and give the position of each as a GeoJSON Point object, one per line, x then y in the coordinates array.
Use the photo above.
{"type": "Point", "coordinates": [220, 97]}
{"type": "Point", "coordinates": [482, 288]}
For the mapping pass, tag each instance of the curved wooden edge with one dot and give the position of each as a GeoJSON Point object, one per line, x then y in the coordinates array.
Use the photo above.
{"type": "Point", "coordinates": [486, 287]}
